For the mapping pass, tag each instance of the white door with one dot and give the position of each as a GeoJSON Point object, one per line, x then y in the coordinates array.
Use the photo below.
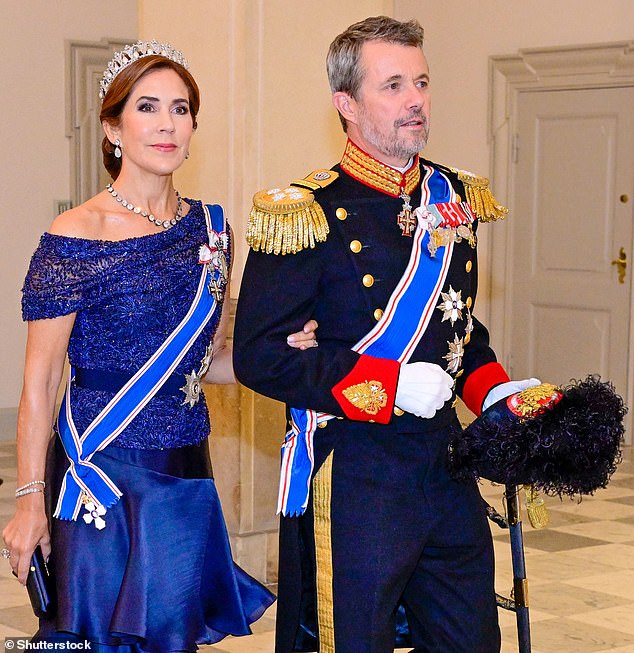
{"type": "Point", "coordinates": [572, 217]}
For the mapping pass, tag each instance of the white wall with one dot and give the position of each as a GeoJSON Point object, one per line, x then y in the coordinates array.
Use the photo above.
{"type": "Point", "coordinates": [460, 37]}
{"type": "Point", "coordinates": [34, 164]}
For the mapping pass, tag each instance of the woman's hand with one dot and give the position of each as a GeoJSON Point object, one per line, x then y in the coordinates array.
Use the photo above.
{"type": "Point", "coordinates": [306, 338]}
{"type": "Point", "coordinates": [25, 531]}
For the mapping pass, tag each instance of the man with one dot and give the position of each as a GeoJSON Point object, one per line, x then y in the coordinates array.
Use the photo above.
{"type": "Point", "coordinates": [381, 251]}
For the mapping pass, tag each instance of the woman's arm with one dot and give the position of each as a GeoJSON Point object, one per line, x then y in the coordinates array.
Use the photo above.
{"type": "Point", "coordinates": [46, 347]}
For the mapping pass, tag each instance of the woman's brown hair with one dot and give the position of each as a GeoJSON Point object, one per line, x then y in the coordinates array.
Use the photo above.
{"type": "Point", "coordinates": [120, 90]}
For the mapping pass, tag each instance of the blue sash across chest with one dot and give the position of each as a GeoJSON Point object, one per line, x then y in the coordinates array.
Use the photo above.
{"type": "Point", "coordinates": [85, 481]}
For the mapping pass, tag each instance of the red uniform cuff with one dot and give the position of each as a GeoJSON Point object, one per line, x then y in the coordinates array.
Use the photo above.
{"type": "Point", "coordinates": [478, 383]}
{"type": "Point", "coordinates": [368, 391]}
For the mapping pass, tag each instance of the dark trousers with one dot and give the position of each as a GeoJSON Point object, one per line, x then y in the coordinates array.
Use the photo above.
{"type": "Point", "coordinates": [399, 531]}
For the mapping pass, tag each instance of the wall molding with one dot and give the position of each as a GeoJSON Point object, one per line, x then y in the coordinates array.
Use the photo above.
{"type": "Point", "coordinates": [85, 63]}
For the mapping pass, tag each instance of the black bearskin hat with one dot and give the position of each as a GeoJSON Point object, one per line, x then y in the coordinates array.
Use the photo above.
{"type": "Point", "coordinates": [560, 440]}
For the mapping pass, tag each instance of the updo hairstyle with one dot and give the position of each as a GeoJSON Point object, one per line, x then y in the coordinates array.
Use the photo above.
{"type": "Point", "coordinates": [119, 92]}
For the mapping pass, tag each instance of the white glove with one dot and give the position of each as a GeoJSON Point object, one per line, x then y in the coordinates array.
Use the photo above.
{"type": "Point", "coordinates": [423, 388]}
{"type": "Point", "coordinates": [506, 390]}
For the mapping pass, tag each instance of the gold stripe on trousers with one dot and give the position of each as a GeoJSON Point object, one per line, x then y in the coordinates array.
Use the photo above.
{"type": "Point", "coordinates": [322, 495]}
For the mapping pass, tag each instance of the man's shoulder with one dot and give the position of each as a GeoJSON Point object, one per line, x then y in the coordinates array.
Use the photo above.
{"type": "Point", "coordinates": [477, 191]}
{"type": "Point", "coordinates": [288, 219]}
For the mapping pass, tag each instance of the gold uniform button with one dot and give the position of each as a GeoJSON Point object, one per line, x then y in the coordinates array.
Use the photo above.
{"type": "Point", "coordinates": [342, 214]}
{"type": "Point", "coordinates": [398, 411]}
{"type": "Point", "coordinates": [469, 302]}
{"type": "Point", "coordinates": [355, 246]}
{"type": "Point", "coordinates": [467, 339]}
{"type": "Point", "coordinates": [378, 314]}
{"type": "Point", "coordinates": [322, 425]}
{"type": "Point", "coordinates": [469, 266]}
{"type": "Point", "coordinates": [459, 374]}
{"type": "Point", "coordinates": [368, 280]}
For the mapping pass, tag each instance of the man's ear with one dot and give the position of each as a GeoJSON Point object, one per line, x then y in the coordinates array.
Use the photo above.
{"type": "Point", "coordinates": [346, 105]}
{"type": "Point", "coordinates": [111, 132]}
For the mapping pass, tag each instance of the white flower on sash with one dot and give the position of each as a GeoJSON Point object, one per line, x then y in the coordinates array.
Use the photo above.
{"type": "Point", "coordinates": [204, 254]}
{"type": "Point", "coordinates": [426, 219]}
{"type": "Point", "coordinates": [94, 514]}
{"type": "Point", "coordinates": [215, 253]}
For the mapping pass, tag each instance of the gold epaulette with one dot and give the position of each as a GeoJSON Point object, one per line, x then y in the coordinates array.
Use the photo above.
{"type": "Point", "coordinates": [480, 197]}
{"type": "Point", "coordinates": [288, 220]}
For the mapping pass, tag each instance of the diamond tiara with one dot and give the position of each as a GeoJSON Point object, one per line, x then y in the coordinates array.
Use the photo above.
{"type": "Point", "coordinates": [131, 53]}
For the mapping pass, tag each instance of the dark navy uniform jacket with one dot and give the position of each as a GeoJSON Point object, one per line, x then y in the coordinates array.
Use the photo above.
{"type": "Point", "coordinates": [345, 283]}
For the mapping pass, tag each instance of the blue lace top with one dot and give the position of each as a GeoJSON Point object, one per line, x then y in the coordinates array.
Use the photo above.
{"type": "Point", "coordinates": [128, 296]}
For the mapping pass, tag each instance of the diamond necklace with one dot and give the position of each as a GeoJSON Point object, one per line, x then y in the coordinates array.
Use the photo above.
{"type": "Point", "coordinates": [166, 224]}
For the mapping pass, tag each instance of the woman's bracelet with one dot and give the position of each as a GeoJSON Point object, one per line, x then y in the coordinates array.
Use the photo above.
{"type": "Point", "coordinates": [30, 488]}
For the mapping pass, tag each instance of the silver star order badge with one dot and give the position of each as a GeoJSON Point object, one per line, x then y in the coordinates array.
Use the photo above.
{"type": "Point", "coordinates": [216, 288]}
{"type": "Point", "coordinates": [206, 361]}
{"type": "Point", "coordinates": [456, 352]}
{"type": "Point", "coordinates": [451, 305]}
{"type": "Point", "coordinates": [191, 389]}
{"type": "Point", "coordinates": [469, 327]}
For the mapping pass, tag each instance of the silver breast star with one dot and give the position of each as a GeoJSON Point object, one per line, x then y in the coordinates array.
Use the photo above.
{"type": "Point", "coordinates": [451, 305]}
{"type": "Point", "coordinates": [191, 389]}
{"type": "Point", "coordinates": [454, 357]}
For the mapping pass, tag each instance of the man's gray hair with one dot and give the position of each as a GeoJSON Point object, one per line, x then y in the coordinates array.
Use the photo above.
{"type": "Point", "coordinates": [342, 62]}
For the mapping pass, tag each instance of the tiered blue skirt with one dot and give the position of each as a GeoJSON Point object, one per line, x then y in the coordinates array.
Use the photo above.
{"type": "Point", "coordinates": [159, 576]}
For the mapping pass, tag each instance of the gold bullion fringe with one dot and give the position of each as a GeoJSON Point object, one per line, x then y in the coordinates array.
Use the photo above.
{"type": "Point", "coordinates": [480, 198]}
{"type": "Point", "coordinates": [287, 233]}
{"type": "Point", "coordinates": [322, 495]}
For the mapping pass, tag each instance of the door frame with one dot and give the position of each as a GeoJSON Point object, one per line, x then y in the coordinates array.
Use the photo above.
{"type": "Point", "coordinates": [593, 66]}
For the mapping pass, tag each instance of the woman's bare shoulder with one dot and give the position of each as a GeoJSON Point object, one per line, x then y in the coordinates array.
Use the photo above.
{"type": "Point", "coordinates": [83, 221]}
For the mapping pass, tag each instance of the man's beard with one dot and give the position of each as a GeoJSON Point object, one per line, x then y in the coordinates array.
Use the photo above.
{"type": "Point", "coordinates": [389, 143]}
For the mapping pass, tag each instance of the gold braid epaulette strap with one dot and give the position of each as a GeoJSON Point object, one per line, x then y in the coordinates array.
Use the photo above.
{"type": "Point", "coordinates": [480, 197]}
{"type": "Point", "coordinates": [288, 220]}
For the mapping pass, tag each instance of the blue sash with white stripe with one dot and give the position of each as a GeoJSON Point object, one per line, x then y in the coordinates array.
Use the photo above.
{"type": "Point", "coordinates": [395, 336]}
{"type": "Point", "coordinates": [83, 478]}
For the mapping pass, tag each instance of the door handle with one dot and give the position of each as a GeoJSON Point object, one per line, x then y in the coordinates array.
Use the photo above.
{"type": "Point", "coordinates": [621, 265]}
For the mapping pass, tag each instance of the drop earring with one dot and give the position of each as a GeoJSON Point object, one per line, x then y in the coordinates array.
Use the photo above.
{"type": "Point", "coordinates": [117, 149]}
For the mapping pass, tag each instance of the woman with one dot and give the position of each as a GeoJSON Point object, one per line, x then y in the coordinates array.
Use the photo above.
{"type": "Point", "coordinates": [134, 296]}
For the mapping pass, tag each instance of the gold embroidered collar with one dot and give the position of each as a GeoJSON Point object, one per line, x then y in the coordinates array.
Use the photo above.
{"type": "Point", "coordinates": [377, 175]}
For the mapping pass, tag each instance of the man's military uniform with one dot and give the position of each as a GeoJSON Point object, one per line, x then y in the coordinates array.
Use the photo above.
{"type": "Point", "coordinates": [387, 533]}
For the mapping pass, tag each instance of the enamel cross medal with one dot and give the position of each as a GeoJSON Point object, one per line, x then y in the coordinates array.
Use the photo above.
{"type": "Point", "coordinates": [405, 220]}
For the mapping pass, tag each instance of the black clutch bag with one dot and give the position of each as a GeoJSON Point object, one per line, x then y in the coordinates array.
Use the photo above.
{"type": "Point", "coordinates": [41, 586]}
